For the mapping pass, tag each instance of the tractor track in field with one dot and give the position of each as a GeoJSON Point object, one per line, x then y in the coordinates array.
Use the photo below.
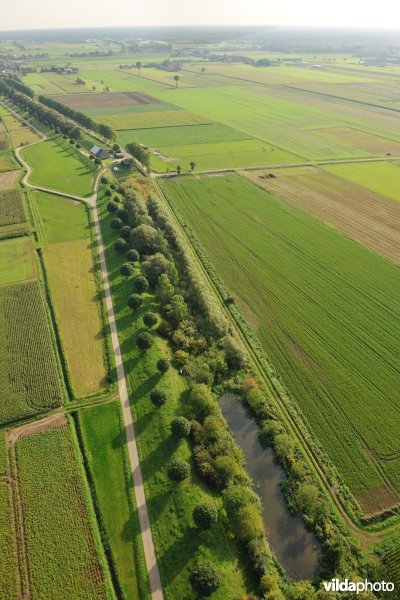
{"type": "Point", "coordinates": [364, 536]}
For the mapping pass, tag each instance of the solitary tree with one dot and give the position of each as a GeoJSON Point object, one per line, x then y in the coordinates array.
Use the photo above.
{"type": "Point", "coordinates": [179, 169]}
{"type": "Point", "coordinates": [192, 165]}
{"type": "Point", "coordinates": [116, 224]}
{"type": "Point", "coordinates": [163, 365]}
{"type": "Point", "coordinates": [135, 301]}
{"type": "Point", "coordinates": [127, 269]}
{"type": "Point", "coordinates": [121, 245]}
{"type": "Point", "coordinates": [158, 397]}
{"type": "Point", "coordinates": [205, 578]}
{"type": "Point", "coordinates": [176, 80]}
{"type": "Point", "coordinates": [132, 255]}
{"type": "Point", "coordinates": [178, 470]}
{"type": "Point", "coordinates": [141, 284]}
{"type": "Point", "coordinates": [139, 66]}
{"type": "Point", "coordinates": [150, 319]}
{"type": "Point", "coordinates": [205, 515]}
{"type": "Point", "coordinates": [203, 70]}
{"type": "Point", "coordinates": [180, 427]}
{"type": "Point", "coordinates": [144, 341]}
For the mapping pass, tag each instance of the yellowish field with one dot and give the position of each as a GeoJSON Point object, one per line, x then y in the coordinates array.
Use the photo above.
{"type": "Point", "coordinates": [73, 287]}
{"type": "Point", "coordinates": [8, 179]}
{"type": "Point", "coordinates": [20, 134]}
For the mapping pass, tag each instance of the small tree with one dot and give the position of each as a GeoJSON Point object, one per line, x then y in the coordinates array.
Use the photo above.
{"type": "Point", "coordinates": [203, 70]}
{"type": "Point", "coordinates": [158, 397]}
{"type": "Point", "coordinates": [192, 165]}
{"type": "Point", "coordinates": [180, 427]}
{"type": "Point", "coordinates": [179, 169]}
{"type": "Point", "coordinates": [141, 284]}
{"type": "Point", "coordinates": [150, 319]}
{"type": "Point", "coordinates": [176, 78]}
{"type": "Point", "coordinates": [116, 223]}
{"type": "Point", "coordinates": [127, 269]}
{"type": "Point", "coordinates": [125, 232]}
{"type": "Point", "coordinates": [108, 193]}
{"type": "Point", "coordinates": [135, 301]}
{"type": "Point", "coordinates": [163, 365]}
{"type": "Point", "coordinates": [132, 255]}
{"type": "Point", "coordinates": [178, 470]}
{"type": "Point", "coordinates": [144, 341]}
{"type": "Point", "coordinates": [121, 245]}
{"type": "Point", "coordinates": [112, 206]}
{"type": "Point", "coordinates": [205, 578]}
{"type": "Point", "coordinates": [165, 290]}
{"type": "Point", "coordinates": [205, 516]}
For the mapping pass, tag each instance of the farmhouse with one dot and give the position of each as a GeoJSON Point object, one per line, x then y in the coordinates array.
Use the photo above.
{"type": "Point", "coordinates": [100, 153]}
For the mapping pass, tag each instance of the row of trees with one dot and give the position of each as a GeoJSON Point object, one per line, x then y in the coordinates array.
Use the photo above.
{"type": "Point", "coordinates": [19, 86]}
{"type": "Point", "coordinates": [44, 115]}
{"type": "Point", "coordinates": [78, 117]}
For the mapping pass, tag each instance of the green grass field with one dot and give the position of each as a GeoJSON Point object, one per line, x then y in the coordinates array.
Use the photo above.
{"type": "Point", "coordinates": [187, 134]}
{"type": "Point", "coordinates": [382, 178]}
{"type": "Point", "coordinates": [170, 506]}
{"type": "Point", "coordinates": [56, 165]}
{"type": "Point", "coordinates": [69, 264]}
{"type": "Point", "coordinates": [326, 311]}
{"type": "Point", "coordinates": [61, 543]}
{"type": "Point", "coordinates": [149, 120]}
{"type": "Point", "coordinates": [28, 364]}
{"type": "Point", "coordinates": [104, 441]}
{"type": "Point", "coordinates": [17, 260]}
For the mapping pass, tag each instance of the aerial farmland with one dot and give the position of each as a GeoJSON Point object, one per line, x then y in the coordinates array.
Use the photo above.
{"type": "Point", "coordinates": [185, 226]}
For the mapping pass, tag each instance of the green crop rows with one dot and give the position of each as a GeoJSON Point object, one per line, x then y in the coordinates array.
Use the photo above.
{"type": "Point", "coordinates": [326, 310]}
{"type": "Point", "coordinates": [11, 207]}
{"type": "Point", "coordinates": [28, 366]}
{"type": "Point", "coordinates": [61, 549]}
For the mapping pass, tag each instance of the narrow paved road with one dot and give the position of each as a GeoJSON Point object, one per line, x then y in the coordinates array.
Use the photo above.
{"type": "Point", "coordinates": [143, 513]}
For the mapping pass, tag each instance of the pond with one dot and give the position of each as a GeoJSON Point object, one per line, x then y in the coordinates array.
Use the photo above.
{"type": "Point", "coordinates": [296, 548]}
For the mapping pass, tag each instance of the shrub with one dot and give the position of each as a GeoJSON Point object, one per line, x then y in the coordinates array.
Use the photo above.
{"type": "Point", "coordinates": [141, 284]}
{"type": "Point", "coordinates": [181, 357]}
{"type": "Point", "coordinates": [150, 319]}
{"type": "Point", "coordinates": [132, 255]}
{"type": "Point", "coordinates": [97, 161]}
{"type": "Point", "coordinates": [135, 301]}
{"type": "Point", "coordinates": [117, 199]}
{"type": "Point", "coordinates": [121, 245]}
{"type": "Point", "coordinates": [126, 232]}
{"type": "Point", "coordinates": [72, 141]}
{"type": "Point", "coordinates": [205, 578]}
{"type": "Point", "coordinates": [201, 401]}
{"type": "Point", "coordinates": [163, 365]}
{"type": "Point", "coordinates": [78, 146]}
{"type": "Point", "coordinates": [113, 186]}
{"type": "Point", "coordinates": [107, 192]}
{"type": "Point", "coordinates": [234, 354]}
{"type": "Point", "coordinates": [178, 470]}
{"type": "Point", "coordinates": [158, 397]}
{"type": "Point", "coordinates": [155, 266]}
{"type": "Point", "coordinates": [116, 223]}
{"type": "Point", "coordinates": [127, 269]}
{"type": "Point", "coordinates": [112, 206]}
{"type": "Point", "coordinates": [104, 180]}
{"type": "Point", "coordinates": [122, 214]}
{"type": "Point", "coordinates": [180, 427]}
{"type": "Point", "coordinates": [144, 341]}
{"type": "Point", "coordinates": [268, 433]}
{"type": "Point", "coordinates": [205, 516]}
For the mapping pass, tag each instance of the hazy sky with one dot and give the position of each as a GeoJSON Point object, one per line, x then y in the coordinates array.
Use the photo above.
{"type": "Point", "coordinates": [37, 14]}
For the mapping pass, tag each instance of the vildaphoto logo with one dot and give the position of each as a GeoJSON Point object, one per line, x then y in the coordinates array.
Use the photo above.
{"type": "Point", "coordinates": [336, 585]}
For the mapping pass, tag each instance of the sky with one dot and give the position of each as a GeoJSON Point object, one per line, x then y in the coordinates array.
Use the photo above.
{"type": "Point", "coordinates": [46, 14]}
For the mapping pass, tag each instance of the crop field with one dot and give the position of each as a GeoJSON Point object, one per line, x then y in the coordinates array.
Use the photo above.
{"type": "Point", "coordinates": [4, 143]}
{"type": "Point", "coordinates": [360, 139]}
{"type": "Point", "coordinates": [9, 179]}
{"type": "Point", "coordinates": [326, 311]}
{"type": "Point", "coordinates": [170, 506]}
{"type": "Point", "coordinates": [11, 208]}
{"type": "Point", "coordinates": [61, 544]}
{"type": "Point", "coordinates": [69, 265]}
{"type": "Point", "coordinates": [28, 364]}
{"type": "Point", "coordinates": [104, 441]}
{"type": "Point", "coordinates": [20, 133]}
{"type": "Point", "coordinates": [119, 81]}
{"type": "Point", "coordinates": [55, 165]}
{"type": "Point", "coordinates": [106, 100]}
{"type": "Point", "coordinates": [188, 134]}
{"type": "Point", "coordinates": [7, 163]}
{"type": "Point", "coordinates": [17, 260]}
{"type": "Point", "coordinates": [382, 178]}
{"type": "Point", "coordinates": [361, 214]}
{"type": "Point", "coordinates": [169, 118]}
{"type": "Point", "coordinates": [155, 106]}
{"type": "Point", "coordinates": [8, 562]}
{"type": "Point", "coordinates": [41, 85]}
